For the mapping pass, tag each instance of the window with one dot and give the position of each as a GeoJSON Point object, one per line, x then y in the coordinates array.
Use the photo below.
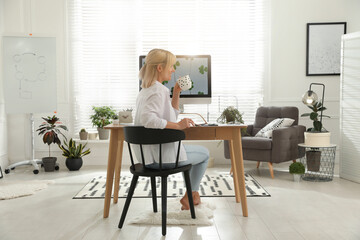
{"type": "Point", "coordinates": [106, 38]}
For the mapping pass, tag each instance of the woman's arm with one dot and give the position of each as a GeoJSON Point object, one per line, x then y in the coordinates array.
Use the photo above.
{"type": "Point", "coordinates": [184, 123]}
{"type": "Point", "coordinates": [176, 96]}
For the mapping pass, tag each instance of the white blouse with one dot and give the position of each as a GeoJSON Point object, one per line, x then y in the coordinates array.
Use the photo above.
{"type": "Point", "coordinates": [154, 110]}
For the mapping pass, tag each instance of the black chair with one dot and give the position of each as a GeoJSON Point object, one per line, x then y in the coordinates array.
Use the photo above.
{"type": "Point", "coordinates": [145, 136]}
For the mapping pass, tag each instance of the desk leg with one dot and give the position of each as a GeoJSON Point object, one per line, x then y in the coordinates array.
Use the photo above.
{"type": "Point", "coordinates": [118, 165]}
{"type": "Point", "coordinates": [234, 172]}
{"type": "Point", "coordinates": [110, 170]}
{"type": "Point", "coordinates": [239, 170]}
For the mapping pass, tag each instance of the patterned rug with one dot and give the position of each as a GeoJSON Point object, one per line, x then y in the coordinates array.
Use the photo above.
{"type": "Point", "coordinates": [220, 185]}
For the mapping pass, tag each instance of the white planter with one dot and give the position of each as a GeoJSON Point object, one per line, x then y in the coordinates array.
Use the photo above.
{"type": "Point", "coordinates": [317, 139]}
{"type": "Point", "coordinates": [297, 177]}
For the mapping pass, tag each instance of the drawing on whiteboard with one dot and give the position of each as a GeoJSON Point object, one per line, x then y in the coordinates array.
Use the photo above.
{"type": "Point", "coordinates": [29, 75]}
{"type": "Point", "coordinates": [30, 70]}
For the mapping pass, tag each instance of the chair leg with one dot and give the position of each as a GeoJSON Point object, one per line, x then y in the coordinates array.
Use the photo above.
{"type": "Point", "coordinates": [128, 200]}
{"type": "Point", "coordinates": [271, 169]}
{"type": "Point", "coordinates": [189, 193]}
{"type": "Point", "coordinates": [153, 193]}
{"type": "Point", "coordinates": [163, 203]}
{"type": "Point", "coordinates": [258, 164]}
{"type": "Point", "coordinates": [231, 170]}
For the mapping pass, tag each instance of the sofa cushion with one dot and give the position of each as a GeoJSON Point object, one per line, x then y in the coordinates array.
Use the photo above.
{"type": "Point", "coordinates": [256, 143]}
{"type": "Point", "coordinates": [275, 124]}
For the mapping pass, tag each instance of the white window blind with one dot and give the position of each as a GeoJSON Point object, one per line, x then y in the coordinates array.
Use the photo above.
{"type": "Point", "coordinates": [106, 38]}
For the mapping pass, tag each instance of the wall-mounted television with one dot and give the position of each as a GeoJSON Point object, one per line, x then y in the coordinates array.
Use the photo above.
{"type": "Point", "coordinates": [198, 67]}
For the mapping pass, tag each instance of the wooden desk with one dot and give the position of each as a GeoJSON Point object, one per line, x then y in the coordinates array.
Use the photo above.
{"type": "Point", "coordinates": [222, 132]}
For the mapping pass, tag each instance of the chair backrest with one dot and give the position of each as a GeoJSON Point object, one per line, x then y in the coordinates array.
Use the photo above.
{"type": "Point", "coordinates": [265, 115]}
{"type": "Point", "coordinates": [146, 136]}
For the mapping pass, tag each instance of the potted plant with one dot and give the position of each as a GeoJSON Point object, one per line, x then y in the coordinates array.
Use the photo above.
{"type": "Point", "coordinates": [50, 130]}
{"type": "Point", "coordinates": [83, 134]}
{"type": "Point", "coordinates": [230, 115]}
{"type": "Point", "coordinates": [297, 169]}
{"type": "Point", "coordinates": [316, 136]}
{"type": "Point", "coordinates": [101, 118]}
{"type": "Point", "coordinates": [74, 154]}
{"type": "Point", "coordinates": [115, 119]}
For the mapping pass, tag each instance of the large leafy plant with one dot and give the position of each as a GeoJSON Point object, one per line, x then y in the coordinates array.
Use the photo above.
{"type": "Point", "coordinates": [71, 150]}
{"type": "Point", "coordinates": [50, 130]}
{"type": "Point", "coordinates": [102, 116]}
{"type": "Point", "coordinates": [314, 116]}
{"type": "Point", "coordinates": [230, 115]}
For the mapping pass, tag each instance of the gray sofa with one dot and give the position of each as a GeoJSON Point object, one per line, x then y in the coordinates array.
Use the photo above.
{"type": "Point", "coordinates": [282, 147]}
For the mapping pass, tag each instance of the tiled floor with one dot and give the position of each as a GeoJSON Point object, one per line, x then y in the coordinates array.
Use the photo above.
{"type": "Point", "coordinates": [305, 210]}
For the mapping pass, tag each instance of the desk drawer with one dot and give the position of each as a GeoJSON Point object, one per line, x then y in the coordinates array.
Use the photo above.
{"type": "Point", "coordinates": [200, 133]}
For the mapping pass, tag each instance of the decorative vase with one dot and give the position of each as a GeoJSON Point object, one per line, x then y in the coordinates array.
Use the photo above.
{"type": "Point", "coordinates": [297, 177]}
{"type": "Point", "coordinates": [313, 160]}
{"type": "Point", "coordinates": [92, 136]}
{"type": "Point", "coordinates": [83, 135]}
{"type": "Point", "coordinates": [320, 139]}
{"type": "Point", "coordinates": [103, 133]}
{"type": "Point", "coordinates": [125, 117]}
{"type": "Point", "coordinates": [49, 163]}
{"type": "Point", "coordinates": [74, 164]}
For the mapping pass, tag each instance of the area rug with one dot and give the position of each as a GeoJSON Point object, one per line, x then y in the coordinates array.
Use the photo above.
{"type": "Point", "coordinates": [175, 216]}
{"type": "Point", "coordinates": [219, 185]}
{"type": "Point", "coordinates": [9, 190]}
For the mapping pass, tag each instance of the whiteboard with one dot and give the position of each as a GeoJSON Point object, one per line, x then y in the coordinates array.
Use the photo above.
{"type": "Point", "coordinates": [29, 74]}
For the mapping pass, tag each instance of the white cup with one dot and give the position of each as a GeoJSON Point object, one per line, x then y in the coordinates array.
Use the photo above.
{"type": "Point", "coordinates": [184, 82]}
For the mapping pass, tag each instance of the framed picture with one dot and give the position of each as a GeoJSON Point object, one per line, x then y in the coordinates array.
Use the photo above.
{"type": "Point", "coordinates": [323, 47]}
{"type": "Point", "coordinates": [1, 174]}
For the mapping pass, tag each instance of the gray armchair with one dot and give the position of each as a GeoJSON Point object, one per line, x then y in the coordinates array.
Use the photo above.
{"type": "Point", "coordinates": [282, 147]}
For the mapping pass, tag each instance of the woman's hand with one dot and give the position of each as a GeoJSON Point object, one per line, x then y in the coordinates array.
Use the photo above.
{"type": "Point", "coordinates": [177, 89]}
{"type": "Point", "coordinates": [186, 123]}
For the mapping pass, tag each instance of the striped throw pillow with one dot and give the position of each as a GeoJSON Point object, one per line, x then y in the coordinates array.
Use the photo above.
{"type": "Point", "coordinates": [274, 124]}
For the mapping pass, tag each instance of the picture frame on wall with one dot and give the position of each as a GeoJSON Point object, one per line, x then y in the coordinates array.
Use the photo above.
{"type": "Point", "coordinates": [323, 48]}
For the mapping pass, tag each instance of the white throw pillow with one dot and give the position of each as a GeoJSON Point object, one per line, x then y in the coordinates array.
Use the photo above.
{"type": "Point", "coordinates": [274, 124]}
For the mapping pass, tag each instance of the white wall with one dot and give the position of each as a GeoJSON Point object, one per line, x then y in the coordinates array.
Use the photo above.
{"type": "Point", "coordinates": [288, 80]}
{"type": "Point", "coordinates": [40, 18]}
{"type": "Point", "coordinates": [285, 85]}
{"type": "Point", "coordinates": [3, 130]}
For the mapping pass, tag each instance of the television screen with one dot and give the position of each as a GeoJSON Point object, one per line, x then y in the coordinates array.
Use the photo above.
{"type": "Point", "coordinates": [198, 68]}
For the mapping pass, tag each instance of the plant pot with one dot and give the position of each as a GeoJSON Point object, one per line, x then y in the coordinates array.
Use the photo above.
{"type": "Point", "coordinates": [320, 139]}
{"type": "Point", "coordinates": [83, 135]}
{"type": "Point", "coordinates": [49, 163]}
{"type": "Point", "coordinates": [103, 133]}
{"type": "Point", "coordinates": [74, 164]}
{"type": "Point", "coordinates": [93, 136]}
{"type": "Point", "coordinates": [313, 160]}
{"type": "Point", "coordinates": [297, 177]}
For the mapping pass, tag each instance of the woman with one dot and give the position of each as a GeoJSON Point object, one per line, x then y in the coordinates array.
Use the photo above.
{"type": "Point", "coordinates": [155, 109]}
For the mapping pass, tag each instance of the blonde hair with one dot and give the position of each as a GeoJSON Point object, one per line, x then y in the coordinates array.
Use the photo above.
{"type": "Point", "coordinates": [148, 73]}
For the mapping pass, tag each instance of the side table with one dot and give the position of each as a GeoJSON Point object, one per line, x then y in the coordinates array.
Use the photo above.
{"type": "Point", "coordinates": [319, 162]}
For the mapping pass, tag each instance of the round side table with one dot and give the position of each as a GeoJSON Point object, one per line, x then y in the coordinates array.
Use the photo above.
{"type": "Point", "coordinates": [318, 161]}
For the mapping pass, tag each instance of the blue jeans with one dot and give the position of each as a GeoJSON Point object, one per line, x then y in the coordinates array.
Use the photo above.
{"type": "Point", "coordinates": [198, 157]}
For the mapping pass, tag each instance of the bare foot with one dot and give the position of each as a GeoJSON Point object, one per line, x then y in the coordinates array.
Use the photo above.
{"type": "Point", "coordinates": [185, 200]}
